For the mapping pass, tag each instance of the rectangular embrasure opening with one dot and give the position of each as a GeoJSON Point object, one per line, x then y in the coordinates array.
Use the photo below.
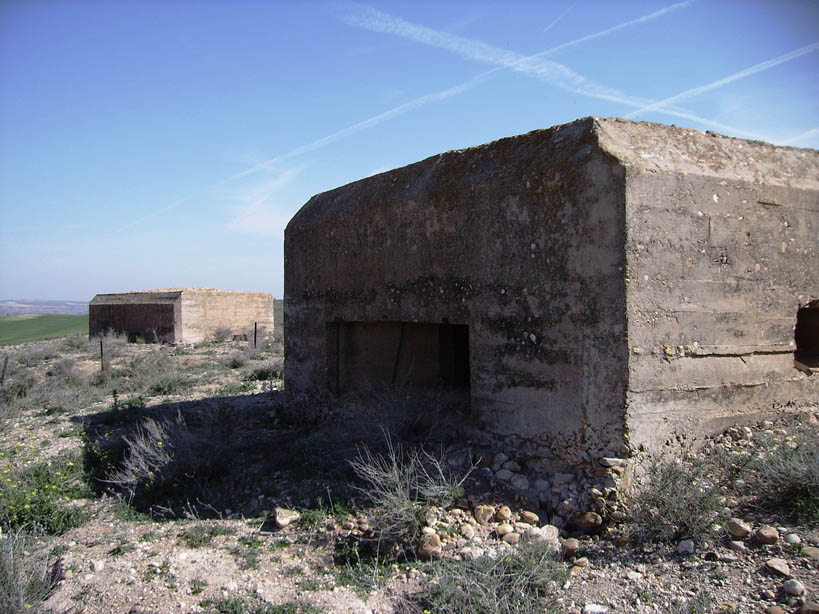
{"type": "Point", "coordinates": [362, 355]}
{"type": "Point", "coordinates": [806, 335]}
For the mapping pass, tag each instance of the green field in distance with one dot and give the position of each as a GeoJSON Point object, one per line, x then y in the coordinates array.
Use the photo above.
{"type": "Point", "coordinates": [19, 329]}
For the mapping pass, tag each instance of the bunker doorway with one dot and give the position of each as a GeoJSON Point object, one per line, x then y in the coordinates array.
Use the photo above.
{"type": "Point", "coordinates": [806, 337]}
{"type": "Point", "coordinates": [362, 355]}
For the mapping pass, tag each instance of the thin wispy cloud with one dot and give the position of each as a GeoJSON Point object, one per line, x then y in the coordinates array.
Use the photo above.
{"type": "Point", "coordinates": [808, 134]}
{"type": "Point", "coordinates": [260, 210]}
{"type": "Point", "coordinates": [752, 70]}
{"type": "Point", "coordinates": [177, 203]}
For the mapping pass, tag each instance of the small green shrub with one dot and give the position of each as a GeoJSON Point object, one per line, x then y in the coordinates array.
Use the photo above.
{"type": "Point", "coordinates": [314, 517]}
{"type": "Point", "coordinates": [677, 500]}
{"type": "Point", "coordinates": [37, 497]}
{"type": "Point", "coordinates": [702, 603]}
{"type": "Point", "coordinates": [262, 373]}
{"type": "Point", "coordinates": [363, 572]}
{"type": "Point", "coordinates": [247, 551]}
{"type": "Point", "coordinates": [400, 486]}
{"type": "Point", "coordinates": [785, 476]}
{"type": "Point", "coordinates": [18, 385]}
{"type": "Point", "coordinates": [236, 361]}
{"type": "Point", "coordinates": [202, 535]}
{"type": "Point", "coordinates": [74, 343]}
{"type": "Point", "coordinates": [254, 605]}
{"type": "Point", "coordinates": [173, 466]}
{"type": "Point", "coordinates": [153, 373]}
{"type": "Point", "coordinates": [222, 334]}
{"type": "Point", "coordinates": [26, 578]}
{"type": "Point", "coordinates": [120, 549]}
{"type": "Point", "coordinates": [522, 581]}
{"type": "Point", "coordinates": [241, 358]}
{"type": "Point", "coordinates": [36, 354]}
{"type": "Point", "coordinates": [234, 389]}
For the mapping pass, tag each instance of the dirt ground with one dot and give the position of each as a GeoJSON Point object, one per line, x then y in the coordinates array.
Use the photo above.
{"type": "Point", "coordinates": [213, 543]}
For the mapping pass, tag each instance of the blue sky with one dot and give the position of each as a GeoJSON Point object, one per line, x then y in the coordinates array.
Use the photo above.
{"type": "Point", "coordinates": [163, 144]}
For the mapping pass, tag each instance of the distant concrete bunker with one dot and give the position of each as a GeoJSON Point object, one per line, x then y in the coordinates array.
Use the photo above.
{"type": "Point", "coordinates": [180, 315]}
{"type": "Point", "coordinates": [593, 288]}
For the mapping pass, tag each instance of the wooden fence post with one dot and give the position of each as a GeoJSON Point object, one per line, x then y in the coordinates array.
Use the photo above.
{"type": "Point", "coordinates": [102, 357]}
{"type": "Point", "coordinates": [255, 330]}
{"type": "Point", "coordinates": [5, 365]}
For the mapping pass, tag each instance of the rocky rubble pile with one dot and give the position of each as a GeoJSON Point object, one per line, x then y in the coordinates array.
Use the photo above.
{"type": "Point", "coordinates": [750, 562]}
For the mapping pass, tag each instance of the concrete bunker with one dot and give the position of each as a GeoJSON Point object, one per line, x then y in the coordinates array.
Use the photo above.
{"type": "Point", "coordinates": [618, 283]}
{"type": "Point", "coordinates": [180, 315]}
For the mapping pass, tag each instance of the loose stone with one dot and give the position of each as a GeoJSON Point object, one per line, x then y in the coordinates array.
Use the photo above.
{"type": "Point", "coordinates": [793, 587]}
{"type": "Point", "coordinates": [736, 546]}
{"type": "Point", "coordinates": [470, 554]}
{"type": "Point", "coordinates": [520, 482]}
{"type": "Point", "coordinates": [504, 529]}
{"type": "Point", "coordinates": [429, 546]}
{"type": "Point", "coordinates": [285, 517]}
{"type": "Point", "coordinates": [811, 552]}
{"type": "Point", "coordinates": [550, 532]}
{"type": "Point", "coordinates": [686, 547]}
{"type": "Point", "coordinates": [738, 528]}
{"type": "Point", "coordinates": [613, 462]}
{"type": "Point", "coordinates": [778, 566]}
{"type": "Point", "coordinates": [590, 521]}
{"type": "Point", "coordinates": [529, 517]}
{"type": "Point", "coordinates": [483, 513]}
{"type": "Point", "coordinates": [504, 474]}
{"type": "Point", "coordinates": [511, 538]}
{"type": "Point", "coordinates": [767, 535]}
{"type": "Point", "coordinates": [504, 514]}
{"type": "Point", "coordinates": [569, 547]}
{"type": "Point", "coordinates": [793, 539]}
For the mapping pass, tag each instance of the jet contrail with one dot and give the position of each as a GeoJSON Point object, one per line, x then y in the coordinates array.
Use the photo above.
{"type": "Point", "coordinates": [553, 73]}
{"type": "Point", "coordinates": [367, 123]}
{"type": "Point", "coordinates": [696, 91]}
{"type": "Point", "coordinates": [549, 27]}
{"type": "Point", "coordinates": [607, 31]}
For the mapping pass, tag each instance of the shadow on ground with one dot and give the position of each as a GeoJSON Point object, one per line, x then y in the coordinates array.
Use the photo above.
{"type": "Point", "coordinates": [243, 455]}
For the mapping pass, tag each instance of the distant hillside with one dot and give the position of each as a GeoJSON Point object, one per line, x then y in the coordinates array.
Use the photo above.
{"type": "Point", "coordinates": [23, 307]}
{"type": "Point", "coordinates": [33, 327]}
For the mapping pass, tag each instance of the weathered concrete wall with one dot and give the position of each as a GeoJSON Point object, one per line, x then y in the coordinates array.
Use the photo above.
{"type": "Point", "coordinates": [521, 240]}
{"type": "Point", "coordinates": [620, 281]}
{"type": "Point", "coordinates": [722, 252]}
{"type": "Point", "coordinates": [180, 315]}
{"type": "Point", "coordinates": [153, 316]}
{"type": "Point", "coordinates": [206, 310]}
